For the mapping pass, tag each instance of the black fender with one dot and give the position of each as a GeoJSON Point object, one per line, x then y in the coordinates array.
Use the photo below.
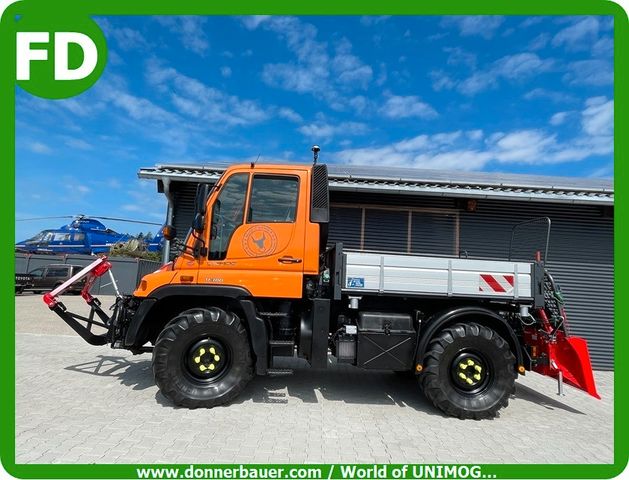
{"type": "Point", "coordinates": [257, 327]}
{"type": "Point", "coordinates": [483, 316]}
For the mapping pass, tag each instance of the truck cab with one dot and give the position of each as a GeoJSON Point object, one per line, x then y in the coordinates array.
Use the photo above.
{"type": "Point", "coordinates": [255, 232]}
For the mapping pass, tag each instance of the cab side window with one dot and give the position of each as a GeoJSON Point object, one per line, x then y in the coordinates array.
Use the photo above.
{"type": "Point", "coordinates": [57, 271]}
{"type": "Point", "coordinates": [38, 272]}
{"type": "Point", "coordinates": [227, 214]}
{"type": "Point", "coordinates": [273, 199]}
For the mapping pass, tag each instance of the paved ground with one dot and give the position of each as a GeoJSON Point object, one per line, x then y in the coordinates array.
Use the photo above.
{"type": "Point", "coordinates": [82, 404]}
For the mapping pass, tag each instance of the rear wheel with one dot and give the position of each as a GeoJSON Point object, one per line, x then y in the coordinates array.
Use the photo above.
{"type": "Point", "coordinates": [202, 358]}
{"type": "Point", "coordinates": [469, 371]}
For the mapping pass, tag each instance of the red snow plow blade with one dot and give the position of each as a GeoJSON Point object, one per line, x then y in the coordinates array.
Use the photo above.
{"type": "Point", "coordinates": [570, 355]}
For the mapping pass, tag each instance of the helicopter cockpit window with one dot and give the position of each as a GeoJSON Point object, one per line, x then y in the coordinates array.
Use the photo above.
{"type": "Point", "coordinates": [37, 238]}
{"type": "Point", "coordinates": [78, 237]}
{"type": "Point", "coordinates": [227, 213]}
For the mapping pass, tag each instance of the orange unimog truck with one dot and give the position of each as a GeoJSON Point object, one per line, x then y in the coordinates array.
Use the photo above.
{"type": "Point", "coordinates": [255, 280]}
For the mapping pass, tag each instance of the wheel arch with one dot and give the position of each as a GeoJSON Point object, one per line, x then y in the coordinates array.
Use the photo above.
{"type": "Point", "coordinates": [480, 315]}
{"type": "Point", "coordinates": [156, 311]}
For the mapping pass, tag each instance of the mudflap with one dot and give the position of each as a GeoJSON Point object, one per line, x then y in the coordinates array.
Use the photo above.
{"type": "Point", "coordinates": [566, 354]}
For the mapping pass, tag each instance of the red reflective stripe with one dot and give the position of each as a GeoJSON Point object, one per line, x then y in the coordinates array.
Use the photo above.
{"type": "Point", "coordinates": [509, 278]}
{"type": "Point", "coordinates": [491, 281]}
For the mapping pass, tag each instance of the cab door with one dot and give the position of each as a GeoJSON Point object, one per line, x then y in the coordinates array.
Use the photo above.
{"type": "Point", "coordinates": [258, 242]}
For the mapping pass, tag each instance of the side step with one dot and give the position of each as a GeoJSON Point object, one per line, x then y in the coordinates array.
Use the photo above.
{"type": "Point", "coordinates": [282, 348]}
{"type": "Point", "coordinates": [277, 372]}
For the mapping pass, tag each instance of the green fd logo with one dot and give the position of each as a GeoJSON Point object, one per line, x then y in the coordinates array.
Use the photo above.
{"type": "Point", "coordinates": [26, 54]}
{"type": "Point", "coordinates": [58, 60]}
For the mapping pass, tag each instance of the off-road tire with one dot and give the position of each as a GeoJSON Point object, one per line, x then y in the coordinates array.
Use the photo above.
{"type": "Point", "coordinates": [437, 381]}
{"type": "Point", "coordinates": [172, 347]}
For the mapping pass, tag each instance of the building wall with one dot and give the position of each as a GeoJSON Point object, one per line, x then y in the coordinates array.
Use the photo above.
{"type": "Point", "coordinates": [580, 254]}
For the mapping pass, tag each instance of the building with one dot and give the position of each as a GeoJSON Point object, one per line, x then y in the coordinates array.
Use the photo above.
{"type": "Point", "coordinates": [463, 213]}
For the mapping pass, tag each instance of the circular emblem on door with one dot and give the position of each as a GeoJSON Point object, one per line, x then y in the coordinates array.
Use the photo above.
{"type": "Point", "coordinates": [259, 241]}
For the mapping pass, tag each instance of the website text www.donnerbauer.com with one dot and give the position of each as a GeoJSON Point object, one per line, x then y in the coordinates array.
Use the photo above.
{"type": "Point", "coordinates": [325, 472]}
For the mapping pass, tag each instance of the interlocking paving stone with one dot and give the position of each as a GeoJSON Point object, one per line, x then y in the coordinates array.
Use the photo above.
{"type": "Point", "coordinates": [85, 404]}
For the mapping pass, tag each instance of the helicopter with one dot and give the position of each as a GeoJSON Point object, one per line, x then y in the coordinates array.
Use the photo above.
{"type": "Point", "coordinates": [86, 234]}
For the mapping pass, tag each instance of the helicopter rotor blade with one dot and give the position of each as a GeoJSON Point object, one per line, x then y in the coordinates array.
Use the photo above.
{"type": "Point", "coordinates": [85, 217]}
{"type": "Point", "coordinates": [43, 218]}
{"type": "Point", "coordinates": [116, 219]}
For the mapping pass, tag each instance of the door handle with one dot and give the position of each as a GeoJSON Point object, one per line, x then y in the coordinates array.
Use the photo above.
{"type": "Point", "coordinates": [289, 260]}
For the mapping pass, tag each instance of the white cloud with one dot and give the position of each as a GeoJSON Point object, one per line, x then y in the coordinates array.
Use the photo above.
{"type": "Point", "coordinates": [474, 149]}
{"type": "Point", "coordinates": [127, 38]}
{"type": "Point", "coordinates": [474, 134]}
{"type": "Point", "coordinates": [558, 118]}
{"type": "Point", "coordinates": [39, 147]}
{"type": "Point", "coordinates": [553, 96]}
{"type": "Point", "coordinates": [348, 68]}
{"type": "Point", "coordinates": [78, 144]}
{"type": "Point", "coordinates": [579, 36]}
{"type": "Point", "coordinates": [405, 107]}
{"type": "Point", "coordinates": [132, 207]}
{"type": "Point", "coordinates": [478, 82]}
{"type": "Point", "coordinates": [459, 56]}
{"type": "Point", "coordinates": [441, 81]}
{"type": "Point", "coordinates": [80, 108]}
{"type": "Point", "coordinates": [251, 22]}
{"type": "Point", "coordinates": [324, 132]}
{"type": "Point", "coordinates": [314, 70]}
{"type": "Point", "coordinates": [523, 146]}
{"type": "Point", "coordinates": [190, 30]}
{"type": "Point", "coordinates": [531, 21]}
{"type": "Point", "coordinates": [290, 115]}
{"type": "Point", "coordinates": [483, 26]}
{"type": "Point", "coordinates": [590, 72]}
{"type": "Point", "coordinates": [521, 65]}
{"type": "Point", "coordinates": [603, 47]}
{"type": "Point", "coordinates": [597, 119]}
{"type": "Point", "coordinates": [513, 68]}
{"type": "Point", "coordinates": [195, 99]}
{"type": "Point", "coordinates": [539, 42]}
{"type": "Point", "coordinates": [369, 21]}
{"type": "Point", "coordinates": [226, 72]}
{"type": "Point", "coordinates": [359, 103]}
{"type": "Point", "coordinates": [137, 108]}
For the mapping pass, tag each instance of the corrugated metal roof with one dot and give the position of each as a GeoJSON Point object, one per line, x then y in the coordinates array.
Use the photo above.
{"type": "Point", "coordinates": [428, 182]}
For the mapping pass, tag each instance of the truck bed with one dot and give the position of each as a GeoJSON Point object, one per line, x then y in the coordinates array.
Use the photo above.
{"type": "Point", "coordinates": [388, 273]}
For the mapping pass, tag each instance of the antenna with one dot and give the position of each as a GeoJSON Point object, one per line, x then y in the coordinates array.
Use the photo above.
{"type": "Point", "coordinates": [315, 153]}
{"type": "Point", "coordinates": [253, 164]}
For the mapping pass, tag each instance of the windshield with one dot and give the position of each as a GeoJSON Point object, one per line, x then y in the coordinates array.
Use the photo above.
{"type": "Point", "coordinates": [40, 236]}
{"type": "Point", "coordinates": [227, 214]}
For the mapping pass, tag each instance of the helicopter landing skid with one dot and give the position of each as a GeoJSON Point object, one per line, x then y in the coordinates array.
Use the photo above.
{"type": "Point", "coordinates": [96, 317]}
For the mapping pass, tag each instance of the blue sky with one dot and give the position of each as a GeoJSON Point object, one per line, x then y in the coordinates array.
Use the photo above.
{"type": "Point", "coordinates": [504, 94]}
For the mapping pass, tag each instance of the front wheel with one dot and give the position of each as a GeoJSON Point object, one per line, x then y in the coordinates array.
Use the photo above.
{"type": "Point", "coordinates": [469, 371]}
{"type": "Point", "coordinates": [202, 358]}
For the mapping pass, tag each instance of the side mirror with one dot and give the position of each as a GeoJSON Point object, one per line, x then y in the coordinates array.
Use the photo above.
{"type": "Point", "coordinates": [200, 206]}
{"type": "Point", "coordinates": [169, 232]}
{"type": "Point", "coordinates": [198, 223]}
{"type": "Point", "coordinates": [203, 190]}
